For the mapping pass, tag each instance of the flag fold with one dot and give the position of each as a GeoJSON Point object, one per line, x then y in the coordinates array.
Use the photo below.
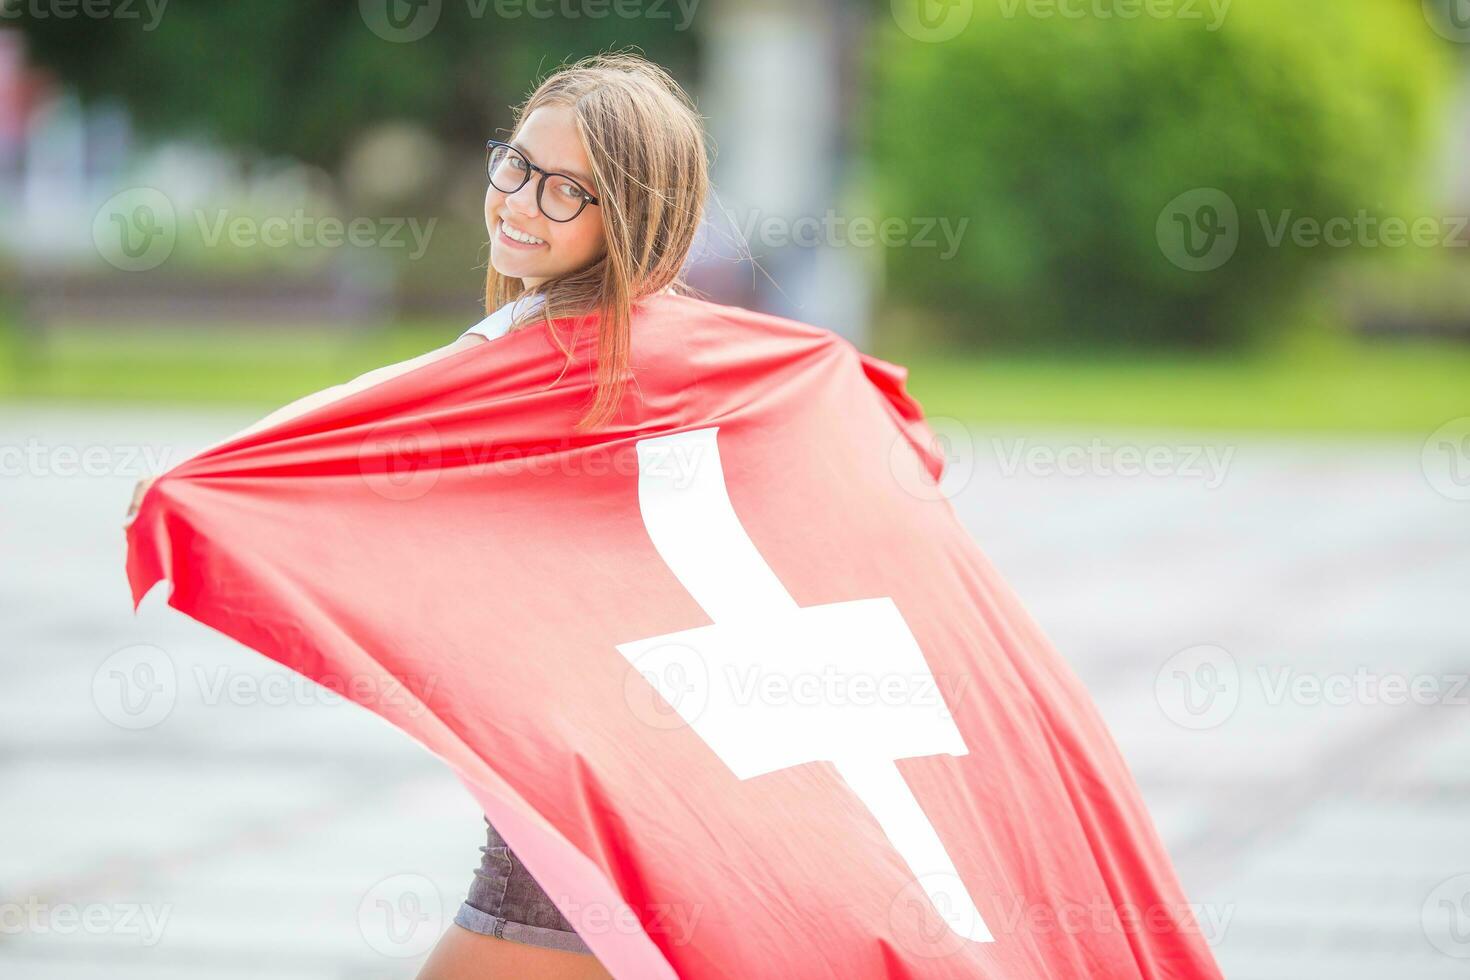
{"type": "Point", "coordinates": [728, 674]}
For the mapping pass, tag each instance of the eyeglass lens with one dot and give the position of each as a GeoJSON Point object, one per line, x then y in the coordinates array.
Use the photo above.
{"type": "Point", "coordinates": [560, 199]}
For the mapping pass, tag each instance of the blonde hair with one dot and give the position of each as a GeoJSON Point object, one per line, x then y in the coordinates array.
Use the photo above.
{"type": "Point", "coordinates": [646, 144]}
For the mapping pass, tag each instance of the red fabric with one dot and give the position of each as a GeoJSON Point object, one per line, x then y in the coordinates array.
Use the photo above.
{"type": "Point", "coordinates": [445, 542]}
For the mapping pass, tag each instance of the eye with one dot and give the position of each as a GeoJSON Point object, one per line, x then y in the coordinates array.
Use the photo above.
{"type": "Point", "coordinates": [566, 189]}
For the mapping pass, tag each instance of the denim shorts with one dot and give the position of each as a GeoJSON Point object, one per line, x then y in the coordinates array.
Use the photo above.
{"type": "Point", "coordinates": [507, 903]}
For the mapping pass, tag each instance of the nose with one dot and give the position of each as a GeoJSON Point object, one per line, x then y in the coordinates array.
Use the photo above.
{"type": "Point", "coordinates": [523, 201]}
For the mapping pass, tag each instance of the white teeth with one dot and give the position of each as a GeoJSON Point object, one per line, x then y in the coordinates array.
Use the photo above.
{"type": "Point", "coordinates": [520, 236]}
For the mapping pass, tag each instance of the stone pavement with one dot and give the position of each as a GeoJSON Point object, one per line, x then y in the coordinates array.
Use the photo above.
{"type": "Point", "coordinates": [1277, 634]}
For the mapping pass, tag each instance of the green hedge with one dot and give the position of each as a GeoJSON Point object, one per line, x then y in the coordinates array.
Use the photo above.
{"type": "Point", "coordinates": [1062, 139]}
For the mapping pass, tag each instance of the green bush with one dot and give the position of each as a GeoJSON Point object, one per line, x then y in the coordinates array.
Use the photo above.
{"type": "Point", "coordinates": [1063, 140]}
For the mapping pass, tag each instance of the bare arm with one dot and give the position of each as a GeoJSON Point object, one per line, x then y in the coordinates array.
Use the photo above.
{"type": "Point", "coordinates": [316, 399]}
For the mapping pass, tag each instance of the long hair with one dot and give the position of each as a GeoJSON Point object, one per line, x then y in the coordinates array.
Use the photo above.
{"type": "Point", "coordinates": [646, 144]}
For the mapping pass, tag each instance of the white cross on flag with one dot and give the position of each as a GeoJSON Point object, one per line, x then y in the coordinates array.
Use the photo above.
{"type": "Point", "coordinates": [727, 674]}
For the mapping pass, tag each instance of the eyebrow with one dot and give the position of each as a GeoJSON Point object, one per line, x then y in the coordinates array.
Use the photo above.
{"type": "Point", "coordinates": [557, 170]}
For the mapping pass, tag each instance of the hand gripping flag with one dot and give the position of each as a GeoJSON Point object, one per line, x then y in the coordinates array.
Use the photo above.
{"type": "Point", "coordinates": [728, 674]}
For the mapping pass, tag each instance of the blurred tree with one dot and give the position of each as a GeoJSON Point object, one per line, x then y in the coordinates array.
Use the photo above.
{"type": "Point", "coordinates": [1099, 158]}
{"type": "Point", "coordinates": [301, 77]}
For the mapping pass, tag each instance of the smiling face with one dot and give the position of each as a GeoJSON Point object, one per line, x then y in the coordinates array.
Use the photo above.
{"type": "Point", "coordinates": [548, 138]}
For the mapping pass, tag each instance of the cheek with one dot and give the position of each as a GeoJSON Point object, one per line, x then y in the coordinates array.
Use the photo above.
{"type": "Point", "coordinates": [493, 200]}
{"type": "Point", "coordinates": [584, 238]}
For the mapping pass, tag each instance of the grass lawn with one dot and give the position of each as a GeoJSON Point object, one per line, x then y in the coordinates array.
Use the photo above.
{"type": "Point", "coordinates": [1410, 388]}
{"type": "Point", "coordinates": [1342, 387]}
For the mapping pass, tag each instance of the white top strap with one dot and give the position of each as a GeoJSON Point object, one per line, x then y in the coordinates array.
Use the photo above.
{"type": "Point", "coordinates": [497, 324]}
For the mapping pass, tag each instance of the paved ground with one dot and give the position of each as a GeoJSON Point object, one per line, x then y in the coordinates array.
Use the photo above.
{"type": "Point", "coordinates": [1279, 637]}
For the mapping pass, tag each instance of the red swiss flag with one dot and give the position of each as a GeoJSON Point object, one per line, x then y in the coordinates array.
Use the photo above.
{"type": "Point", "coordinates": [727, 674]}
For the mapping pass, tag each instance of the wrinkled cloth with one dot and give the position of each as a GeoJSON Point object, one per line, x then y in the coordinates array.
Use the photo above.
{"type": "Point", "coordinates": [728, 673]}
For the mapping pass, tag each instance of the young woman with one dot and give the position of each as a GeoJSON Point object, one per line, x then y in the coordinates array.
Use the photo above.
{"type": "Point", "coordinates": [591, 205]}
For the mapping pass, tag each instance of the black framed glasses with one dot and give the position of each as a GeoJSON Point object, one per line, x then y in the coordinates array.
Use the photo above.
{"type": "Point", "coordinates": [558, 196]}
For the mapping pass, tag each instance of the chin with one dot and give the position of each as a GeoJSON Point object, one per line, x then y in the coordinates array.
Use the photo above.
{"type": "Point", "coordinates": [512, 268]}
